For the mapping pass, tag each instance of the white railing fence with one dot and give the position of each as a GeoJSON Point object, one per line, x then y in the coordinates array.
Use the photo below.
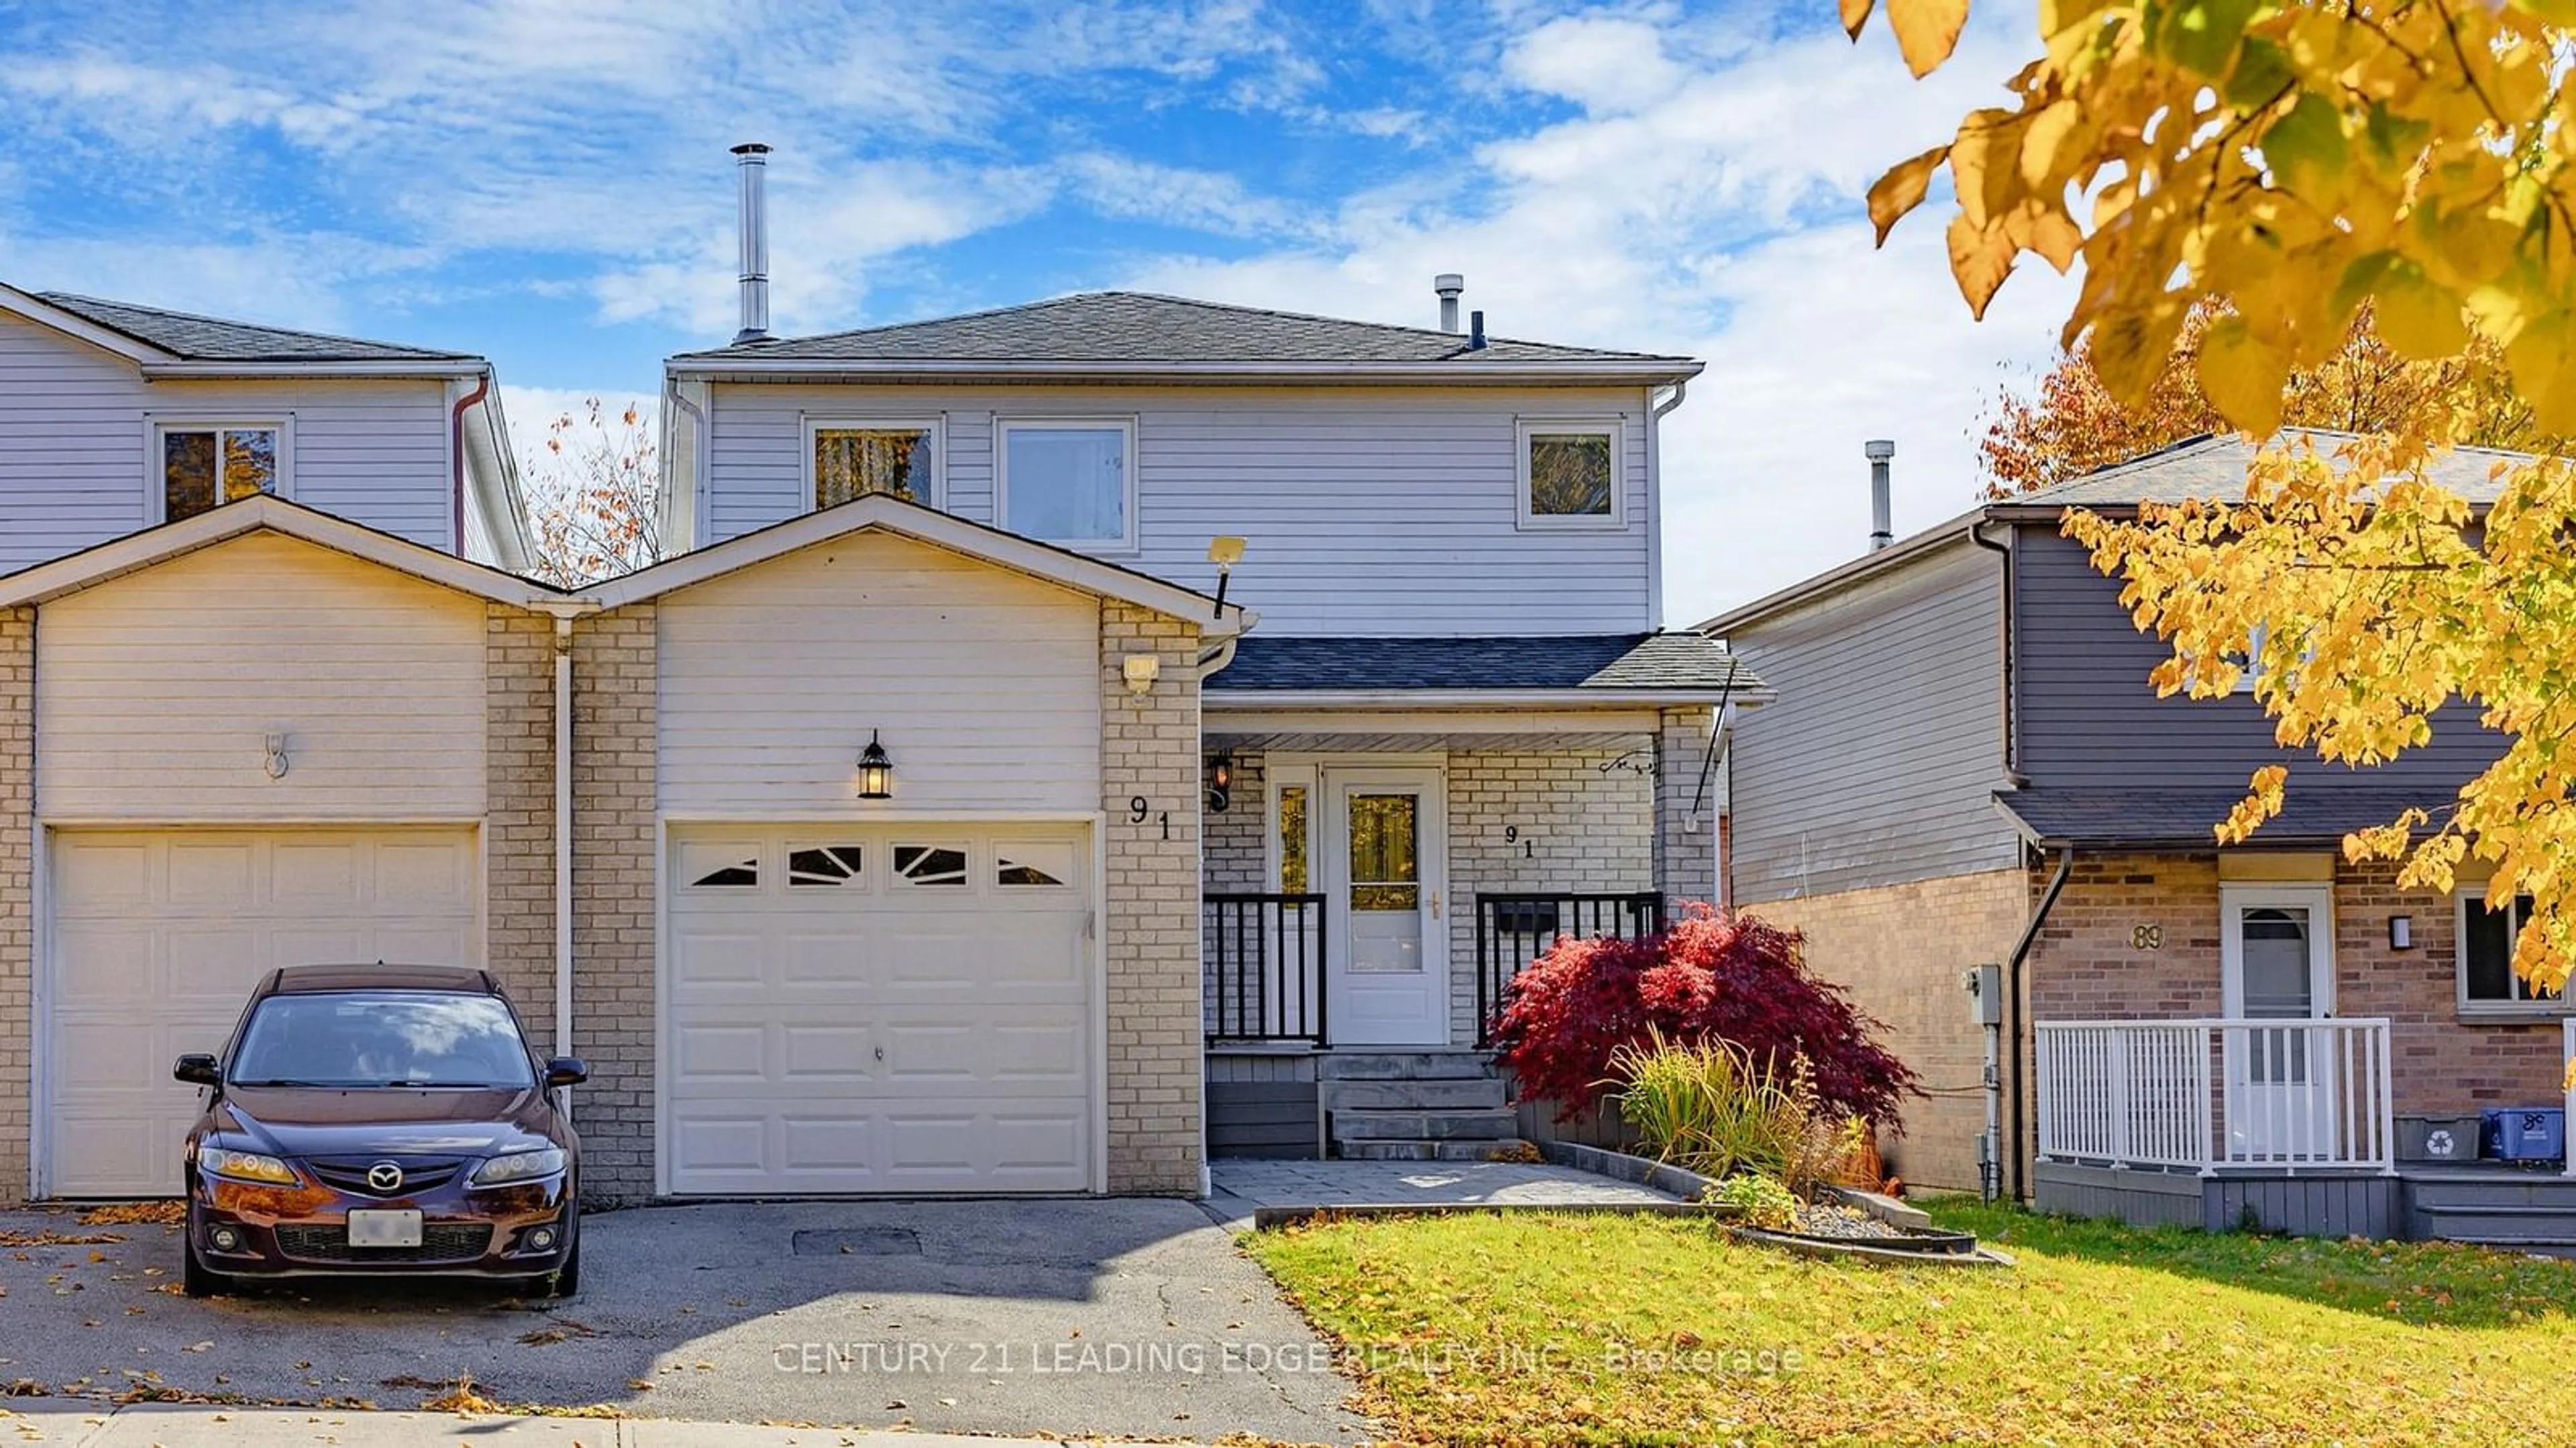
{"type": "Point", "coordinates": [2202, 1095]}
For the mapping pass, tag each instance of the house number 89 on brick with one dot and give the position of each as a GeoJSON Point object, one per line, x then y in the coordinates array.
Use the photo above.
{"type": "Point", "coordinates": [2147, 937]}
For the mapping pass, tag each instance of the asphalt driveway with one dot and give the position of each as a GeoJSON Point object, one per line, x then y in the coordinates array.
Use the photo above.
{"type": "Point", "coordinates": [1124, 1318]}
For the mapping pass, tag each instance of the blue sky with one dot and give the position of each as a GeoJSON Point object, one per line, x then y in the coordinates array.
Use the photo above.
{"type": "Point", "coordinates": [548, 185]}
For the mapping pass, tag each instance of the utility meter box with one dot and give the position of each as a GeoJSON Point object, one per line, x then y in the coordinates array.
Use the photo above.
{"type": "Point", "coordinates": [1985, 987]}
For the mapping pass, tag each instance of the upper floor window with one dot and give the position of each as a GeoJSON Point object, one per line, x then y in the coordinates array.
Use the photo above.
{"type": "Point", "coordinates": [204, 465]}
{"type": "Point", "coordinates": [1569, 475]}
{"type": "Point", "coordinates": [1070, 480]}
{"type": "Point", "coordinates": [2487, 937]}
{"type": "Point", "coordinates": [853, 458]}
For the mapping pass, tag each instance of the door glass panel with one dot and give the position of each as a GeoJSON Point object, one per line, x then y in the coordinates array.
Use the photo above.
{"type": "Point", "coordinates": [1292, 839]}
{"type": "Point", "coordinates": [1385, 863]}
{"type": "Point", "coordinates": [2274, 941]}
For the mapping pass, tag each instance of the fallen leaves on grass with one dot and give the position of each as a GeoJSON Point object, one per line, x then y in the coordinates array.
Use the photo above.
{"type": "Point", "coordinates": [166, 1213]}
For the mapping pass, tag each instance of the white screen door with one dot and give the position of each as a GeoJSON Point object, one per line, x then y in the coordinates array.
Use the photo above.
{"type": "Point", "coordinates": [2276, 952]}
{"type": "Point", "coordinates": [1384, 869]}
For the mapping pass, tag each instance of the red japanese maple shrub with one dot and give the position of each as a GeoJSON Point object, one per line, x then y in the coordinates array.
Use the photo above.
{"type": "Point", "coordinates": [1733, 978]}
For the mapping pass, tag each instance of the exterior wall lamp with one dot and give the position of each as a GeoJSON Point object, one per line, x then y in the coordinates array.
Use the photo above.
{"type": "Point", "coordinates": [1220, 785]}
{"type": "Point", "coordinates": [876, 771]}
{"type": "Point", "coordinates": [2401, 932]}
{"type": "Point", "coordinates": [1140, 671]}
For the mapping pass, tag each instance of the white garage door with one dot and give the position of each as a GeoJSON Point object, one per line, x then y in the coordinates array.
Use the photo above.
{"type": "Point", "coordinates": [879, 1010]}
{"type": "Point", "coordinates": [157, 937]}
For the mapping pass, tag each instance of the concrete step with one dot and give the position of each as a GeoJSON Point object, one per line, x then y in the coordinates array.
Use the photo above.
{"type": "Point", "coordinates": [1424, 1150]}
{"type": "Point", "coordinates": [1403, 1066]}
{"type": "Point", "coordinates": [1442, 1093]}
{"type": "Point", "coordinates": [1464, 1125]}
{"type": "Point", "coordinates": [2495, 1226]}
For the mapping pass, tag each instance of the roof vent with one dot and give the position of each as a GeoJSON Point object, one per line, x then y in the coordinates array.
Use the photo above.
{"type": "Point", "coordinates": [1476, 331]}
{"type": "Point", "coordinates": [1450, 285]}
{"type": "Point", "coordinates": [753, 159]}
{"type": "Point", "coordinates": [1882, 526]}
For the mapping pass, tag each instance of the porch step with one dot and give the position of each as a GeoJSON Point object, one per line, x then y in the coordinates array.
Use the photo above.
{"type": "Point", "coordinates": [1462, 1125]}
{"type": "Point", "coordinates": [2494, 1224]}
{"type": "Point", "coordinates": [1404, 1066]}
{"type": "Point", "coordinates": [1415, 1094]}
{"type": "Point", "coordinates": [1425, 1150]}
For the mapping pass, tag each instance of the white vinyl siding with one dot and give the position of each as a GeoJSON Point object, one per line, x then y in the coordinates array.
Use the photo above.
{"type": "Point", "coordinates": [1367, 510]}
{"type": "Point", "coordinates": [77, 465]}
{"type": "Point", "coordinates": [155, 691]}
{"type": "Point", "coordinates": [983, 684]}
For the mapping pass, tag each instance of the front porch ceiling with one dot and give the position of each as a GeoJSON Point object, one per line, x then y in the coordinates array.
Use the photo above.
{"type": "Point", "coordinates": [1218, 736]}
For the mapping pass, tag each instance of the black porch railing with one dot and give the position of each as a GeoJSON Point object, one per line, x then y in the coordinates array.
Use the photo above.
{"type": "Point", "coordinates": [1513, 930]}
{"type": "Point", "coordinates": [1265, 958]}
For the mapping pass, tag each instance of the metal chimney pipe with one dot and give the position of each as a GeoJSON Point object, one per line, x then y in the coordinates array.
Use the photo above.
{"type": "Point", "coordinates": [1476, 331]}
{"type": "Point", "coordinates": [1449, 285]}
{"type": "Point", "coordinates": [1882, 526]}
{"type": "Point", "coordinates": [754, 170]}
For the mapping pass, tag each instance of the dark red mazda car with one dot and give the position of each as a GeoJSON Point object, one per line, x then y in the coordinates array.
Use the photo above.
{"type": "Point", "coordinates": [381, 1119]}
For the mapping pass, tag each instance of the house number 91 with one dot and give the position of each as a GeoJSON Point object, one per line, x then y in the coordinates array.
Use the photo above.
{"type": "Point", "coordinates": [1139, 807]}
{"type": "Point", "coordinates": [2147, 937]}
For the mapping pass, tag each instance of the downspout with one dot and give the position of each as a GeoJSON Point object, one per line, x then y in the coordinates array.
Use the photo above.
{"type": "Point", "coordinates": [456, 451]}
{"type": "Point", "coordinates": [563, 840]}
{"type": "Point", "coordinates": [698, 457]}
{"type": "Point", "coordinates": [2012, 1004]}
{"type": "Point", "coordinates": [2004, 629]}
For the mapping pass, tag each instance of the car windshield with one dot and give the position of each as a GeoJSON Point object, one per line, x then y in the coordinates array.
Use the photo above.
{"type": "Point", "coordinates": [382, 1038]}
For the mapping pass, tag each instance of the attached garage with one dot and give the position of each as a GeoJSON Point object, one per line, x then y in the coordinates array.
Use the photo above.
{"type": "Point", "coordinates": [878, 1009]}
{"type": "Point", "coordinates": [156, 937]}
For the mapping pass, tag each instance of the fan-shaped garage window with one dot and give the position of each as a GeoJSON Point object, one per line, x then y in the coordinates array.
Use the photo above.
{"type": "Point", "coordinates": [930, 864]}
{"type": "Point", "coordinates": [823, 865]}
{"type": "Point", "coordinates": [720, 866]}
{"type": "Point", "coordinates": [1034, 864]}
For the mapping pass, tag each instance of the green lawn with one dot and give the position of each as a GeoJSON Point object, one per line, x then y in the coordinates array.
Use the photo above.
{"type": "Point", "coordinates": [1547, 1329]}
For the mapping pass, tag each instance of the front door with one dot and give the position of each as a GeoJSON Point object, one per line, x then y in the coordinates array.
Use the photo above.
{"type": "Point", "coordinates": [2276, 950]}
{"type": "Point", "coordinates": [1383, 864]}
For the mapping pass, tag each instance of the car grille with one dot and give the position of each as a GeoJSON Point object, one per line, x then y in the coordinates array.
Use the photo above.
{"type": "Point", "coordinates": [439, 1242]}
{"type": "Point", "coordinates": [420, 1174]}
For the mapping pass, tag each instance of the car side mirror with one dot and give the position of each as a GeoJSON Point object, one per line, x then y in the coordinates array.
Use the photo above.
{"type": "Point", "coordinates": [197, 1069]}
{"type": "Point", "coordinates": [567, 1071]}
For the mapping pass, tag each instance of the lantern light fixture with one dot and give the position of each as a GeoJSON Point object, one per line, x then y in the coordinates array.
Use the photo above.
{"type": "Point", "coordinates": [1220, 785]}
{"type": "Point", "coordinates": [876, 771]}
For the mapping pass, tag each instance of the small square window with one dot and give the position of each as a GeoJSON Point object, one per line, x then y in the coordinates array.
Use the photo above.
{"type": "Point", "coordinates": [1569, 475]}
{"type": "Point", "coordinates": [720, 867]}
{"type": "Point", "coordinates": [204, 467]}
{"type": "Point", "coordinates": [855, 458]}
{"type": "Point", "coordinates": [1070, 480]}
{"type": "Point", "coordinates": [1032, 864]}
{"type": "Point", "coordinates": [824, 865]}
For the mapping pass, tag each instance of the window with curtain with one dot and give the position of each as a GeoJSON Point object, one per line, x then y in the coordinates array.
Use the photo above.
{"type": "Point", "coordinates": [1069, 482]}
{"type": "Point", "coordinates": [853, 461]}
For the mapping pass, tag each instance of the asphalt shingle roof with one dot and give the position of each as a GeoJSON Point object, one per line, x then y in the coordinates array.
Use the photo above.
{"type": "Point", "coordinates": [2214, 466]}
{"type": "Point", "coordinates": [1663, 661]}
{"type": "Point", "coordinates": [2185, 818]}
{"type": "Point", "coordinates": [212, 339]}
{"type": "Point", "coordinates": [1135, 327]}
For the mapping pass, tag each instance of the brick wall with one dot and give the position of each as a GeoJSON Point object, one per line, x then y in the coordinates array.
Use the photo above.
{"type": "Point", "coordinates": [1899, 950]}
{"type": "Point", "coordinates": [519, 811]}
{"type": "Point", "coordinates": [1579, 820]}
{"type": "Point", "coordinates": [1150, 747]}
{"type": "Point", "coordinates": [17, 897]}
{"type": "Point", "coordinates": [1685, 815]}
{"type": "Point", "coordinates": [2088, 965]}
{"type": "Point", "coordinates": [614, 857]}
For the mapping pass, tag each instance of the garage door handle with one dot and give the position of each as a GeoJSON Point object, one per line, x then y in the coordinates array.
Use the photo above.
{"type": "Point", "coordinates": [880, 1053]}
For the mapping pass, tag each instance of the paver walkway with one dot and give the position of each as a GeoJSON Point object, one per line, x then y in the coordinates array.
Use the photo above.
{"type": "Point", "coordinates": [1243, 1186]}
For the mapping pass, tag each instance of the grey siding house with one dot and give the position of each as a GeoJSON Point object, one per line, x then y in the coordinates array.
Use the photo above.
{"type": "Point", "coordinates": [1965, 765]}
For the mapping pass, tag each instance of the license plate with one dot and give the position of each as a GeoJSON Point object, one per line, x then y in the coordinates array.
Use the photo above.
{"type": "Point", "coordinates": [384, 1229]}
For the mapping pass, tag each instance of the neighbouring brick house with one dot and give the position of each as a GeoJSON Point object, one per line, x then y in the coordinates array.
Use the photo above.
{"type": "Point", "coordinates": [1966, 765]}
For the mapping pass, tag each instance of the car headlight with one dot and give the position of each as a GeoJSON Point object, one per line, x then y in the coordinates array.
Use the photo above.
{"type": "Point", "coordinates": [519, 1166]}
{"type": "Point", "coordinates": [245, 1166]}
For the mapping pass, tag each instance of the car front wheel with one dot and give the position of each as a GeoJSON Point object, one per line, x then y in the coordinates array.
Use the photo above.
{"type": "Point", "coordinates": [567, 1278]}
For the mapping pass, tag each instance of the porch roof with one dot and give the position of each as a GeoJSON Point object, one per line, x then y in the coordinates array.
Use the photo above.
{"type": "Point", "coordinates": [2319, 815]}
{"type": "Point", "coordinates": [1610, 668]}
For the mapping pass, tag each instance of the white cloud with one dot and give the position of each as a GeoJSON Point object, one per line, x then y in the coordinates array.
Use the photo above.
{"type": "Point", "coordinates": [1607, 65]}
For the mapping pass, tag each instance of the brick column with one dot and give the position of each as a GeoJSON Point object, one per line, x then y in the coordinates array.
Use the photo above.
{"type": "Point", "coordinates": [17, 897]}
{"type": "Point", "coordinates": [519, 811]}
{"type": "Point", "coordinates": [1149, 747]}
{"type": "Point", "coordinates": [1685, 839]}
{"type": "Point", "coordinates": [615, 684]}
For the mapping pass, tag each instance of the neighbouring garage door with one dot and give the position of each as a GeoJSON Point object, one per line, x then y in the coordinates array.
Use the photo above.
{"type": "Point", "coordinates": [879, 1009]}
{"type": "Point", "coordinates": [156, 938]}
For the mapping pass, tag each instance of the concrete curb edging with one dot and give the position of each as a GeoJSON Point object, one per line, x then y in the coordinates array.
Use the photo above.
{"type": "Point", "coordinates": [1640, 1171]}
{"type": "Point", "coordinates": [1266, 1218]}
